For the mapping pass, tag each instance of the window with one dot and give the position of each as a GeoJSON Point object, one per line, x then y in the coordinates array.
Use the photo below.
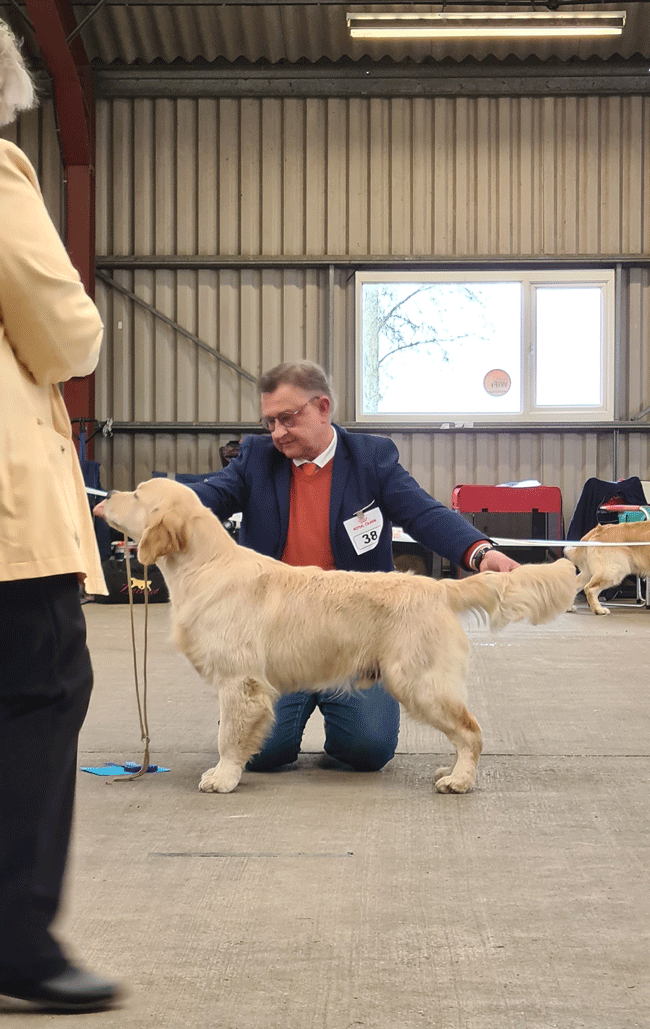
{"type": "Point", "coordinates": [485, 346]}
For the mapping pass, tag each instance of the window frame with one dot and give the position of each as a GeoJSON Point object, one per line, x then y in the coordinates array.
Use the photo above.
{"type": "Point", "coordinates": [531, 278]}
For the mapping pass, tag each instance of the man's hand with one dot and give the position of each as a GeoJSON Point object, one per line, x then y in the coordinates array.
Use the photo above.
{"type": "Point", "coordinates": [496, 561]}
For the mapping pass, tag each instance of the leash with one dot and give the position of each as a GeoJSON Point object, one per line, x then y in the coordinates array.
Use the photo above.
{"type": "Point", "coordinates": [501, 542]}
{"type": "Point", "coordinates": [142, 705]}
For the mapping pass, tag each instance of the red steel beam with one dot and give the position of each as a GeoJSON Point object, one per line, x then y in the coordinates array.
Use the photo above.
{"type": "Point", "coordinates": [53, 21]}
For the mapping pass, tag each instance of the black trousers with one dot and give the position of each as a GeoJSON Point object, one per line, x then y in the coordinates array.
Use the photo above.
{"type": "Point", "coordinates": [45, 686]}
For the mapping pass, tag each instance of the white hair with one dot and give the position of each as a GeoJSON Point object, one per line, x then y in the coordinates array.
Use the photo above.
{"type": "Point", "coordinates": [16, 86]}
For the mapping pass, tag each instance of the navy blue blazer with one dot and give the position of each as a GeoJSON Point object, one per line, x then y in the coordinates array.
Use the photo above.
{"type": "Point", "coordinates": [366, 473]}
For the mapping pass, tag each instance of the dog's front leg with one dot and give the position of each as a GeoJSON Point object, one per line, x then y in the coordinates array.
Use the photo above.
{"type": "Point", "coordinates": [246, 717]}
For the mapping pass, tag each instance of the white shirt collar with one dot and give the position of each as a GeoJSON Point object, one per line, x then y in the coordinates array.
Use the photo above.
{"type": "Point", "coordinates": [323, 458]}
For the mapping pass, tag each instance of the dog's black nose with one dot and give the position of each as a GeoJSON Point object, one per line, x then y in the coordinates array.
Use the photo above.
{"type": "Point", "coordinates": [110, 493]}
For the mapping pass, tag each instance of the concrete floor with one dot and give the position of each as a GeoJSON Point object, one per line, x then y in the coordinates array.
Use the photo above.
{"type": "Point", "coordinates": [317, 898]}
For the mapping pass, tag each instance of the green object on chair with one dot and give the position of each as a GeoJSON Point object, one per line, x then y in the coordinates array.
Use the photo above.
{"type": "Point", "coordinates": [642, 515]}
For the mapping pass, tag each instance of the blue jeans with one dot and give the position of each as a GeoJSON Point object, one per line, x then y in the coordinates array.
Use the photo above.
{"type": "Point", "coordinates": [361, 728]}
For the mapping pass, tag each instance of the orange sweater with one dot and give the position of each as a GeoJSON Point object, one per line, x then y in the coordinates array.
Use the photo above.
{"type": "Point", "coordinates": [308, 538]}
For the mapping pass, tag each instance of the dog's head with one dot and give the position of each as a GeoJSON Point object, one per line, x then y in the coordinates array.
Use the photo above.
{"type": "Point", "coordinates": [155, 515]}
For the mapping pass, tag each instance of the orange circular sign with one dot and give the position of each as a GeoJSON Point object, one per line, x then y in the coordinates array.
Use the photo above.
{"type": "Point", "coordinates": [497, 382]}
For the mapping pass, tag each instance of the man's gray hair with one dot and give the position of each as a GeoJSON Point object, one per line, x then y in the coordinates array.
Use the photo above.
{"type": "Point", "coordinates": [16, 86]}
{"type": "Point", "coordinates": [303, 374]}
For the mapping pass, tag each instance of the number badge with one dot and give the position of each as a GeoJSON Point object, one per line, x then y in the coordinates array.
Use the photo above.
{"type": "Point", "coordinates": [364, 529]}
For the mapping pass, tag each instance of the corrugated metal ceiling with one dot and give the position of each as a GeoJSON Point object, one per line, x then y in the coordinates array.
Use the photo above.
{"type": "Point", "coordinates": [151, 31]}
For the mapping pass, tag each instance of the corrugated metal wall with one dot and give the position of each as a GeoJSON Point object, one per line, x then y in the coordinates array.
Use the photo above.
{"type": "Point", "coordinates": [36, 134]}
{"type": "Point", "coordinates": [400, 177]}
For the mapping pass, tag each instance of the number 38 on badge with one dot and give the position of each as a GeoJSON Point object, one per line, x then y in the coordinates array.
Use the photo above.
{"type": "Point", "coordinates": [364, 529]}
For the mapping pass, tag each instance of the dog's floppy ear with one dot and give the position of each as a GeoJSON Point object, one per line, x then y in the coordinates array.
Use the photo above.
{"type": "Point", "coordinates": [164, 534]}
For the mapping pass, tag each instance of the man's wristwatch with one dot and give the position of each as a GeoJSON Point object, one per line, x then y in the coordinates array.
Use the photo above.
{"type": "Point", "coordinates": [479, 554]}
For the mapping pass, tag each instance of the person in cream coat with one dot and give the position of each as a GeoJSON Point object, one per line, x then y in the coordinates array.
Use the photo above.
{"type": "Point", "coordinates": [50, 330]}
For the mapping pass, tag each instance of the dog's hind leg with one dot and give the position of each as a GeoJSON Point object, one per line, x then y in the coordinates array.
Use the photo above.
{"type": "Point", "coordinates": [463, 731]}
{"type": "Point", "coordinates": [594, 587]}
{"type": "Point", "coordinates": [246, 717]}
{"type": "Point", "coordinates": [444, 710]}
{"type": "Point", "coordinates": [581, 582]}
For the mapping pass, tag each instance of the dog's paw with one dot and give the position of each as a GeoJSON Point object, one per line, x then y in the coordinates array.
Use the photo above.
{"type": "Point", "coordinates": [446, 782]}
{"type": "Point", "coordinates": [220, 779]}
{"type": "Point", "coordinates": [450, 785]}
{"type": "Point", "coordinates": [602, 611]}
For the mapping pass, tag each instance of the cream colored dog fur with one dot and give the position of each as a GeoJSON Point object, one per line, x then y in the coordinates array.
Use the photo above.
{"type": "Point", "coordinates": [255, 628]}
{"type": "Point", "coordinates": [603, 567]}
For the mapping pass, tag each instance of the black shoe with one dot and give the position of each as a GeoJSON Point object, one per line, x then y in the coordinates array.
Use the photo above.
{"type": "Point", "coordinates": [74, 989]}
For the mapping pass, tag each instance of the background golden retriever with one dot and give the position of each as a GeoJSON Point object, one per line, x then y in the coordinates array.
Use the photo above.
{"type": "Point", "coordinates": [255, 628]}
{"type": "Point", "coordinates": [603, 567]}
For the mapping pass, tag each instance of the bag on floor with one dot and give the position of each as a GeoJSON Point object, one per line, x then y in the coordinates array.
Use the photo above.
{"type": "Point", "coordinates": [117, 582]}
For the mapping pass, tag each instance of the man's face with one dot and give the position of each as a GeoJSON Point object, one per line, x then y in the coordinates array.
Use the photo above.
{"type": "Point", "coordinates": [311, 431]}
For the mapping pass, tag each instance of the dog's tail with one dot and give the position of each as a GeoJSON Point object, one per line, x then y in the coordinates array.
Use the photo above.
{"type": "Point", "coordinates": [533, 593]}
{"type": "Point", "coordinates": [574, 552]}
{"type": "Point", "coordinates": [571, 553]}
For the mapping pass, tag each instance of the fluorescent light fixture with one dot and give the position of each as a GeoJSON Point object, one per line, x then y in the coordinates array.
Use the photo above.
{"type": "Point", "coordinates": [502, 25]}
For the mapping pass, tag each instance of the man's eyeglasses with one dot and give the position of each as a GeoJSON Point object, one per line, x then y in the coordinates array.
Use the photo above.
{"type": "Point", "coordinates": [287, 419]}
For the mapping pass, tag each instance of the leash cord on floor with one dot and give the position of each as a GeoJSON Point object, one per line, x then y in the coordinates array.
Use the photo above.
{"type": "Point", "coordinates": [142, 705]}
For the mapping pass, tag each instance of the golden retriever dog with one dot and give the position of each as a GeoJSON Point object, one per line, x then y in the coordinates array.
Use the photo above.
{"type": "Point", "coordinates": [255, 628]}
{"type": "Point", "coordinates": [603, 567]}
